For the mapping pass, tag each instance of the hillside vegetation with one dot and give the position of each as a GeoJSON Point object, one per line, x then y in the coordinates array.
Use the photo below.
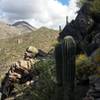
{"type": "Point", "coordinates": [13, 49]}
{"type": "Point", "coordinates": [13, 30]}
{"type": "Point", "coordinates": [7, 31]}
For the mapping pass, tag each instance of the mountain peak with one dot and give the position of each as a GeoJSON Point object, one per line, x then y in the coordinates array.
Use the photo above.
{"type": "Point", "coordinates": [24, 26]}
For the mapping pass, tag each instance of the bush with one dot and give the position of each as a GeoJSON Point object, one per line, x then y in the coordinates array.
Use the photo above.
{"type": "Point", "coordinates": [84, 67]}
{"type": "Point", "coordinates": [95, 6]}
{"type": "Point", "coordinates": [43, 89]}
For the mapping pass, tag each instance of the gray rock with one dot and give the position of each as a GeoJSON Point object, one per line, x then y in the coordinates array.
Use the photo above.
{"type": "Point", "coordinates": [94, 90]}
{"type": "Point", "coordinates": [84, 29]}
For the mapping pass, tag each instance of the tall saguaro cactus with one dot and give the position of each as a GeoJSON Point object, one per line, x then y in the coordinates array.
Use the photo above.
{"type": "Point", "coordinates": [65, 66]}
{"type": "Point", "coordinates": [68, 67]}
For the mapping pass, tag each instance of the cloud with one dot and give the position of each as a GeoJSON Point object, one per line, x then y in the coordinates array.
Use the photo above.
{"type": "Point", "coordinates": [50, 13]}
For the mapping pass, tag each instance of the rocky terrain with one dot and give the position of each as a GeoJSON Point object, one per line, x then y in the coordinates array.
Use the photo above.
{"type": "Point", "coordinates": [24, 27]}
{"type": "Point", "coordinates": [85, 29]}
{"type": "Point", "coordinates": [18, 28]}
{"type": "Point", "coordinates": [12, 49]}
{"type": "Point", "coordinates": [8, 31]}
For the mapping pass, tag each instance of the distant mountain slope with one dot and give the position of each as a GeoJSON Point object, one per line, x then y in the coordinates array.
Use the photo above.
{"type": "Point", "coordinates": [13, 49]}
{"type": "Point", "coordinates": [24, 27]}
{"type": "Point", "coordinates": [7, 31]}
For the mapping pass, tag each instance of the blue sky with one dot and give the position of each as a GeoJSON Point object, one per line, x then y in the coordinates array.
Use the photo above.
{"type": "Point", "coordinates": [64, 2]}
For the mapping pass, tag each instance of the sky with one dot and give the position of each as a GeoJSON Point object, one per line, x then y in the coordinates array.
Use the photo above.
{"type": "Point", "coordinates": [49, 13]}
{"type": "Point", "coordinates": [64, 2]}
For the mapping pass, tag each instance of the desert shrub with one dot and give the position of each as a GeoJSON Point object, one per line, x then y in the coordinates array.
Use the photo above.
{"type": "Point", "coordinates": [43, 89]}
{"type": "Point", "coordinates": [80, 3]}
{"type": "Point", "coordinates": [95, 6]}
{"type": "Point", "coordinates": [84, 67]}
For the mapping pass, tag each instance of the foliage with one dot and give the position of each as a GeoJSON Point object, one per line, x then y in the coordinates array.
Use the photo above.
{"type": "Point", "coordinates": [80, 3]}
{"type": "Point", "coordinates": [11, 50]}
{"type": "Point", "coordinates": [95, 6]}
{"type": "Point", "coordinates": [84, 67]}
{"type": "Point", "coordinates": [43, 89]}
{"type": "Point", "coordinates": [95, 57]}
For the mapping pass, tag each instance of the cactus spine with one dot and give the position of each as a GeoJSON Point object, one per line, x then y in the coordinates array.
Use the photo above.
{"type": "Point", "coordinates": [65, 66]}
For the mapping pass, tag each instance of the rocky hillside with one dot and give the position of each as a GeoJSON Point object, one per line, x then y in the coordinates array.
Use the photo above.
{"type": "Point", "coordinates": [24, 27]}
{"type": "Point", "coordinates": [7, 31]}
{"type": "Point", "coordinates": [13, 49]}
{"type": "Point", "coordinates": [85, 29]}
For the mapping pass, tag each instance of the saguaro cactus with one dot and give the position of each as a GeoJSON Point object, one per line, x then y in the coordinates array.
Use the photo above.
{"type": "Point", "coordinates": [65, 66]}
{"type": "Point", "coordinates": [68, 58]}
{"type": "Point", "coordinates": [58, 57]}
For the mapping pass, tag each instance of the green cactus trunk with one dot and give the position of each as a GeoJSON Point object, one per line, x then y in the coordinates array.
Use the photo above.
{"type": "Point", "coordinates": [68, 56]}
{"type": "Point", "coordinates": [58, 57]}
{"type": "Point", "coordinates": [65, 68]}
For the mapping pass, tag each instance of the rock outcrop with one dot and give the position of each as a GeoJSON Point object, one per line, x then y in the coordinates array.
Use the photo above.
{"type": "Point", "coordinates": [85, 29]}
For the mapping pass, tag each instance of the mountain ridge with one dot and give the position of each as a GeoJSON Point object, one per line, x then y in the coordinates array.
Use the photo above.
{"type": "Point", "coordinates": [24, 26]}
{"type": "Point", "coordinates": [12, 30]}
